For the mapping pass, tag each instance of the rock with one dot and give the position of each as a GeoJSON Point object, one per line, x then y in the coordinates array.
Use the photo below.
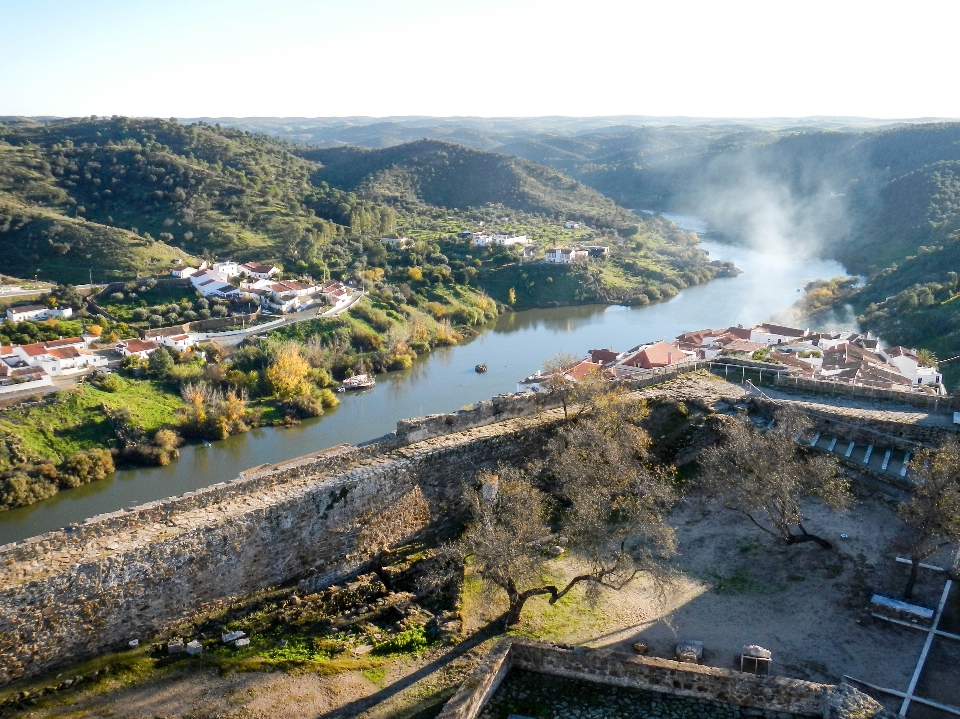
{"type": "Point", "coordinates": [133, 643]}
{"type": "Point", "coordinates": [194, 647]}
{"type": "Point", "coordinates": [844, 702]}
{"type": "Point", "coordinates": [555, 551]}
{"type": "Point", "coordinates": [241, 642]}
{"type": "Point", "coordinates": [641, 647]}
{"type": "Point", "coordinates": [362, 649]}
{"type": "Point", "coordinates": [175, 646]}
{"type": "Point", "coordinates": [232, 636]}
{"type": "Point", "coordinates": [690, 651]}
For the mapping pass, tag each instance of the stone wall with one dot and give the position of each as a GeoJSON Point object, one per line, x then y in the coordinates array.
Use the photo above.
{"type": "Point", "coordinates": [771, 697]}
{"type": "Point", "coordinates": [71, 594]}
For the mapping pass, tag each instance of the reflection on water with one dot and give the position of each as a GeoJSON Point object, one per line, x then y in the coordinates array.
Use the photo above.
{"type": "Point", "coordinates": [512, 347]}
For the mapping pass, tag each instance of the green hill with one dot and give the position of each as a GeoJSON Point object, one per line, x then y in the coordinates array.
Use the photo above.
{"type": "Point", "coordinates": [123, 197]}
{"type": "Point", "coordinates": [442, 174]}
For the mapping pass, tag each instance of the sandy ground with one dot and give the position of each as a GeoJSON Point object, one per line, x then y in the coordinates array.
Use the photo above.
{"type": "Point", "coordinates": [735, 585]}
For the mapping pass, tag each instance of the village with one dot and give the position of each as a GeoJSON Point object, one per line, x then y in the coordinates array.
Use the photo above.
{"type": "Point", "coordinates": [846, 357]}
{"type": "Point", "coordinates": [37, 365]}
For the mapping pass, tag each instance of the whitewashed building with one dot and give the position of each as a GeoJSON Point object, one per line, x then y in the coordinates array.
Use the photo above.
{"type": "Point", "coordinates": [36, 312]}
{"type": "Point", "coordinates": [566, 255]}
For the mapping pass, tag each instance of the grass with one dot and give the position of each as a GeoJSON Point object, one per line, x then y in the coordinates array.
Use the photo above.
{"type": "Point", "coordinates": [73, 420]}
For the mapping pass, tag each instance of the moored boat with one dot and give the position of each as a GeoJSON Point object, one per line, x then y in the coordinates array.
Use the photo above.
{"type": "Point", "coordinates": [360, 381]}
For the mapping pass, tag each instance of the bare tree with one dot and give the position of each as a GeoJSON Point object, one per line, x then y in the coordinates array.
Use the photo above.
{"type": "Point", "coordinates": [933, 513]}
{"type": "Point", "coordinates": [556, 384]}
{"type": "Point", "coordinates": [604, 497]}
{"type": "Point", "coordinates": [766, 475]}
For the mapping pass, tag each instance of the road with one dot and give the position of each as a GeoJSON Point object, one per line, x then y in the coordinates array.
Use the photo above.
{"type": "Point", "coordinates": [309, 314]}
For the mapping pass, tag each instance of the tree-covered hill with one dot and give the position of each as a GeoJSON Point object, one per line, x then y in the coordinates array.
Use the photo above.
{"type": "Point", "coordinates": [123, 197]}
{"type": "Point", "coordinates": [445, 175]}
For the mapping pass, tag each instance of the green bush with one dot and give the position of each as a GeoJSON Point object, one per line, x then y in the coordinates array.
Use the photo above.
{"type": "Point", "coordinates": [408, 641]}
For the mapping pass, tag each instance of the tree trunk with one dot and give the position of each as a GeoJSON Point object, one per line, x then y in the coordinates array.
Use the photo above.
{"type": "Point", "coordinates": [912, 579]}
{"type": "Point", "coordinates": [805, 536]}
{"type": "Point", "coordinates": [518, 599]}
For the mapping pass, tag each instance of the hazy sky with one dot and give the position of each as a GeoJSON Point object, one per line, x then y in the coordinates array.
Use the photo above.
{"type": "Point", "coordinates": [479, 57]}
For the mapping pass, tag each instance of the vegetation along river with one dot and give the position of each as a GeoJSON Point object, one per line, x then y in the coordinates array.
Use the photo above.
{"type": "Point", "coordinates": [513, 346]}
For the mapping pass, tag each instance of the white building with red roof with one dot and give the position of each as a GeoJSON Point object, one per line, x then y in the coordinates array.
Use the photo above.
{"type": "Point", "coordinates": [138, 347]}
{"type": "Point", "coordinates": [258, 271]}
{"type": "Point", "coordinates": [57, 357]}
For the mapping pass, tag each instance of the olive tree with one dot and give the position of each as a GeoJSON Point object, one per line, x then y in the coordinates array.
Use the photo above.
{"type": "Point", "coordinates": [766, 475]}
{"type": "Point", "coordinates": [597, 488]}
{"type": "Point", "coordinates": [933, 512]}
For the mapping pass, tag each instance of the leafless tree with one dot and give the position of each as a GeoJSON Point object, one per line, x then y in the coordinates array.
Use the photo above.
{"type": "Point", "coordinates": [933, 512]}
{"type": "Point", "coordinates": [601, 494]}
{"type": "Point", "coordinates": [766, 475]}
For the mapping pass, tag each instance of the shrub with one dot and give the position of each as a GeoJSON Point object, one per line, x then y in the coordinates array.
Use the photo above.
{"type": "Point", "coordinates": [20, 489]}
{"type": "Point", "coordinates": [408, 641]}
{"type": "Point", "coordinates": [328, 398]}
{"type": "Point", "coordinates": [303, 406]}
{"type": "Point", "coordinates": [85, 467]}
{"type": "Point", "coordinates": [219, 311]}
{"type": "Point", "coordinates": [108, 382]}
{"type": "Point", "coordinates": [117, 297]}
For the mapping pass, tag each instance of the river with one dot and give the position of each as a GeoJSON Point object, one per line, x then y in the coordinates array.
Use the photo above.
{"type": "Point", "coordinates": [512, 347]}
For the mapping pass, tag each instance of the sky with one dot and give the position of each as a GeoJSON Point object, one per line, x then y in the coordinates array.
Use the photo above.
{"type": "Point", "coordinates": [489, 58]}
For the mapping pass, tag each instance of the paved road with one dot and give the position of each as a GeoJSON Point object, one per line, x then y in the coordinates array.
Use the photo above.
{"type": "Point", "coordinates": [309, 314]}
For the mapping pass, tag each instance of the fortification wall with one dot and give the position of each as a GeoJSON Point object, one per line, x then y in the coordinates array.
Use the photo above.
{"type": "Point", "coordinates": [770, 697]}
{"type": "Point", "coordinates": [70, 594]}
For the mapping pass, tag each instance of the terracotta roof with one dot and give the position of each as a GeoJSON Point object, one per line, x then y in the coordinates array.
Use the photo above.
{"type": "Point", "coordinates": [258, 268]}
{"type": "Point", "coordinates": [780, 330]}
{"type": "Point", "coordinates": [899, 351]}
{"type": "Point", "coordinates": [65, 352]}
{"type": "Point", "coordinates": [603, 356]}
{"type": "Point", "coordinates": [139, 345]}
{"type": "Point", "coordinates": [65, 342]}
{"type": "Point", "coordinates": [659, 354]}
{"type": "Point", "coordinates": [179, 337]}
{"type": "Point", "coordinates": [739, 332]}
{"type": "Point", "coordinates": [582, 369]}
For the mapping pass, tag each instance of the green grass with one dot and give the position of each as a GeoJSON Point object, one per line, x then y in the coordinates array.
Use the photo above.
{"type": "Point", "coordinates": [72, 420]}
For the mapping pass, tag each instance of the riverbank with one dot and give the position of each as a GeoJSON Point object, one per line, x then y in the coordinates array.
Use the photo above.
{"type": "Point", "coordinates": [512, 346]}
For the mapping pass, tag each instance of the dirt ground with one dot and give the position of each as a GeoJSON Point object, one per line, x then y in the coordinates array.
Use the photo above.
{"type": "Point", "coordinates": [734, 586]}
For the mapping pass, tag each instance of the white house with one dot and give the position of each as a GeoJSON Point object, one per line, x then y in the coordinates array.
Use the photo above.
{"type": "Point", "coordinates": [908, 362]}
{"type": "Point", "coordinates": [36, 312]}
{"type": "Point", "coordinates": [182, 271]}
{"type": "Point", "coordinates": [510, 239]}
{"type": "Point", "coordinates": [213, 283]}
{"type": "Point", "coordinates": [226, 269]}
{"type": "Point", "coordinates": [58, 357]}
{"type": "Point", "coordinates": [258, 271]}
{"type": "Point", "coordinates": [336, 293]}
{"type": "Point", "coordinates": [566, 255]}
{"type": "Point", "coordinates": [571, 225]}
{"type": "Point", "coordinates": [776, 334]}
{"type": "Point", "coordinates": [398, 243]}
{"type": "Point", "coordinates": [140, 348]}
{"type": "Point", "coordinates": [181, 343]}
{"type": "Point", "coordinates": [482, 240]}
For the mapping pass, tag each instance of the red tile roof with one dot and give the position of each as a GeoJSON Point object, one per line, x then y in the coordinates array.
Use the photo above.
{"type": "Point", "coordinates": [743, 346]}
{"type": "Point", "coordinates": [139, 345]}
{"type": "Point", "coordinates": [659, 354]}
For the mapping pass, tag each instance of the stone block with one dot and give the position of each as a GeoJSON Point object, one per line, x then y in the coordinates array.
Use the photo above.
{"type": "Point", "coordinates": [175, 646]}
{"type": "Point", "coordinates": [232, 636]}
{"type": "Point", "coordinates": [242, 642]}
{"type": "Point", "coordinates": [194, 647]}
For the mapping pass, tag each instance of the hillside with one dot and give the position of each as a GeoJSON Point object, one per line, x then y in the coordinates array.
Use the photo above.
{"type": "Point", "coordinates": [122, 197]}
{"type": "Point", "coordinates": [443, 174]}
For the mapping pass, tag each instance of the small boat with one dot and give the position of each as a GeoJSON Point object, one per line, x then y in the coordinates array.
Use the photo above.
{"type": "Point", "coordinates": [480, 368]}
{"type": "Point", "coordinates": [206, 443]}
{"type": "Point", "coordinates": [360, 381]}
